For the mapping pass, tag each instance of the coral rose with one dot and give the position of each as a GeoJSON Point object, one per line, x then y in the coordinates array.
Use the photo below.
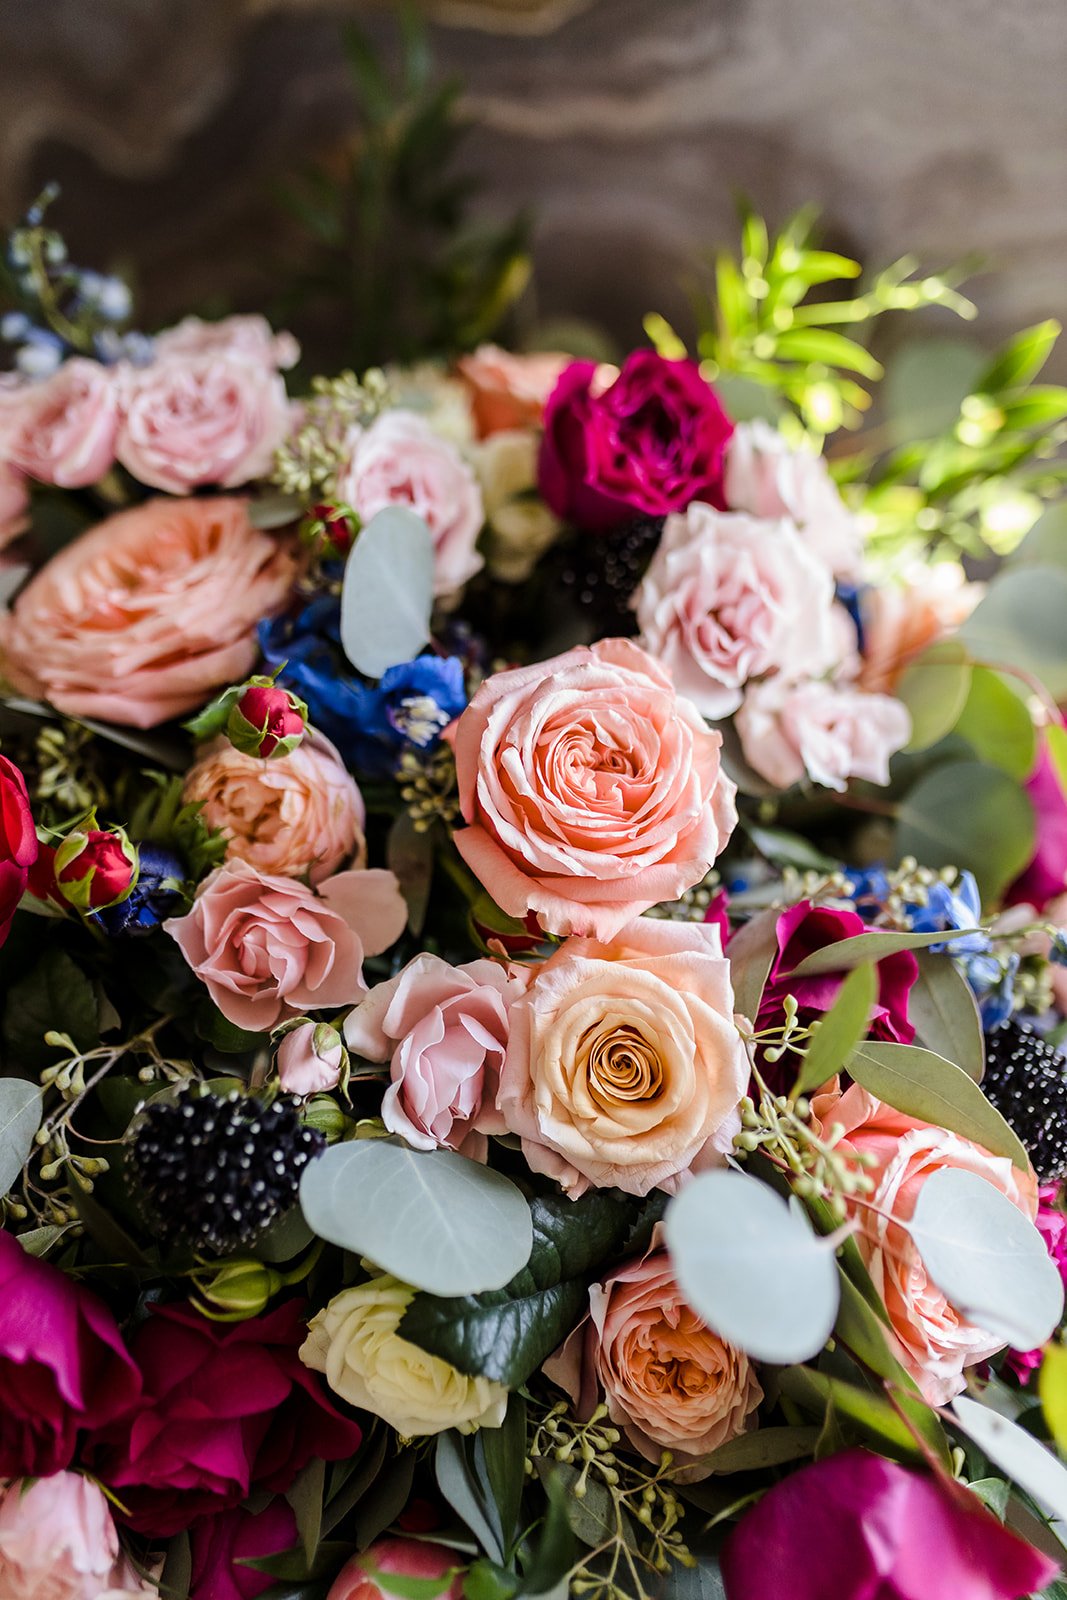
{"type": "Point", "coordinates": [63, 429]}
{"type": "Point", "coordinates": [767, 479]}
{"type": "Point", "coordinates": [935, 1343]}
{"type": "Point", "coordinates": [58, 1541]}
{"type": "Point", "coordinates": [901, 620]}
{"type": "Point", "coordinates": [826, 732]}
{"type": "Point", "coordinates": [400, 461]}
{"type": "Point", "coordinates": [728, 598]}
{"type": "Point", "coordinates": [509, 391]}
{"type": "Point", "coordinates": [147, 613]}
{"type": "Point", "coordinates": [355, 1342]}
{"type": "Point", "coordinates": [624, 1067]}
{"type": "Point", "coordinates": [669, 1382]}
{"type": "Point", "coordinates": [294, 815]}
{"type": "Point", "coordinates": [268, 948]}
{"type": "Point", "coordinates": [403, 1558]}
{"type": "Point", "coordinates": [592, 791]}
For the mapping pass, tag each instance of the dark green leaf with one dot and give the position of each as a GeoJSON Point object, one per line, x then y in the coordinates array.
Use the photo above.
{"type": "Point", "coordinates": [557, 1546]}
{"type": "Point", "coordinates": [55, 996]}
{"type": "Point", "coordinates": [752, 951]}
{"type": "Point", "coordinates": [942, 1006]}
{"type": "Point", "coordinates": [410, 854]}
{"type": "Point", "coordinates": [764, 1447]}
{"type": "Point", "coordinates": [926, 1086]}
{"type": "Point", "coordinates": [969, 815]}
{"type": "Point", "coordinates": [305, 1497]}
{"type": "Point", "coordinates": [470, 1499]}
{"type": "Point", "coordinates": [871, 1417]}
{"type": "Point", "coordinates": [385, 1498]}
{"type": "Point", "coordinates": [592, 1515]}
{"type": "Point", "coordinates": [504, 1452]}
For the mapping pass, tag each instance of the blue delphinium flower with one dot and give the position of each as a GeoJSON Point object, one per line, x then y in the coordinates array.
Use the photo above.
{"type": "Point", "coordinates": [154, 896]}
{"type": "Point", "coordinates": [947, 908]}
{"type": "Point", "coordinates": [868, 889]}
{"type": "Point", "coordinates": [993, 983]}
{"type": "Point", "coordinates": [850, 595]}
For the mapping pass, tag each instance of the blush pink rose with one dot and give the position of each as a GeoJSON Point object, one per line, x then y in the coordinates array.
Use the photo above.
{"type": "Point", "coordinates": [14, 503]}
{"type": "Point", "coordinates": [934, 1341]}
{"type": "Point", "coordinates": [509, 391]}
{"type": "Point", "coordinates": [63, 429]}
{"type": "Point", "coordinates": [416, 1559]}
{"type": "Point", "coordinates": [668, 1381]}
{"type": "Point", "coordinates": [624, 1067]}
{"type": "Point", "coordinates": [590, 789]}
{"type": "Point", "coordinates": [206, 417]}
{"type": "Point", "coordinates": [311, 1059]}
{"type": "Point", "coordinates": [825, 732]}
{"type": "Point", "coordinates": [294, 815]}
{"type": "Point", "coordinates": [58, 1541]}
{"type": "Point", "coordinates": [728, 598]}
{"type": "Point", "coordinates": [248, 336]}
{"type": "Point", "coordinates": [766, 478]}
{"type": "Point", "coordinates": [444, 1031]}
{"type": "Point", "coordinates": [400, 461]}
{"type": "Point", "coordinates": [268, 948]}
{"type": "Point", "coordinates": [145, 615]}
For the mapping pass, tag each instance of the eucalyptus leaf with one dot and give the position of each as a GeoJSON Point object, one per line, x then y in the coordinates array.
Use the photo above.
{"type": "Point", "coordinates": [387, 596]}
{"type": "Point", "coordinates": [847, 953]}
{"type": "Point", "coordinates": [935, 689]}
{"type": "Point", "coordinates": [839, 1031]}
{"type": "Point", "coordinates": [430, 1217]}
{"type": "Point", "coordinates": [1046, 543]}
{"type": "Point", "coordinates": [20, 1117]}
{"type": "Point", "coordinates": [942, 1006]}
{"type": "Point", "coordinates": [927, 1086]}
{"type": "Point", "coordinates": [703, 1581]}
{"type": "Point", "coordinates": [56, 996]}
{"type": "Point", "coordinates": [987, 1258]}
{"type": "Point", "coordinates": [752, 1267]}
{"type": "Point", "coordinates": [1029, 1464]}
{"type": "Point", "coordinates": [472, 1505]}
{"type": "Point", "coordinates": [1019, 623]}
{"type": "Point", "coordinates": [996, 721]}
{"type": "Point", "coordinates": [970, 815]}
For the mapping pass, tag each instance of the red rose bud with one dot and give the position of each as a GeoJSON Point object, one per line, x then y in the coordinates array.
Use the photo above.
{"type": "Point", "coordinates": [330, 529]}
{"type": "Point", "coordinates": [266, 721]}
{"type": "Point", "coordinates": [95, 868]}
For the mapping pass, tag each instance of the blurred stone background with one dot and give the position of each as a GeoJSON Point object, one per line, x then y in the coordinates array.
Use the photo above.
{"type": "Point", "coordinates": [938, 126]}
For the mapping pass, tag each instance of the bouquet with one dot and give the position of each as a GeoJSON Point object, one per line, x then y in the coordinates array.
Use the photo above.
{"type": "Point", "coordinates": [533, 900]}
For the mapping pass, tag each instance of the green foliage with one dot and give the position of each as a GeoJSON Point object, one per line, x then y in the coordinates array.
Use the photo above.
{"type": "Point", "coordinates": [54, 997]}
{"type": "Point", "coordinates": [970, 815]}
{"type": "Point", "coordinates": [935, 1090]}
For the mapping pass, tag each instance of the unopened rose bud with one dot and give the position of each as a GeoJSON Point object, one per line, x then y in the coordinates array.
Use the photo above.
{"type": "Point", "coordinates": [330, 529]}
{"type": "Point", "coordinates": [95, 868]}
{"type": "Point", "coordinates": [323, 1115]}
{"type": "Point", "coordinates": [240, 1288]}
{"type": "Point", "coordinates": [266, 721]}
{"type": "Point", "coordinates": [311, 1059]}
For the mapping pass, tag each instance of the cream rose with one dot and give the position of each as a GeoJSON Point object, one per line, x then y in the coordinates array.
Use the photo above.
{"type": "Point", "coordinates": [768, 479]}
{"type": "Point", "coordinates": [354, 1341]}
{"type": "Point", "coordinates": [520, 527]}
{"type": "Point", "coordinates": [624, 1068]}
{"type": "Point", "coordinates": [823, 731]}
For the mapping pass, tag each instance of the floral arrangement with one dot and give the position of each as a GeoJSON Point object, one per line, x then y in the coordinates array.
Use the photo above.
{"type": "Point", "coordinates": [533, 900]}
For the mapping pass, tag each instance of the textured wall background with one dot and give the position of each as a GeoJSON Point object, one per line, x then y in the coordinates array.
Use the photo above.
{"type": "Point", "coordinates": [936, 125]}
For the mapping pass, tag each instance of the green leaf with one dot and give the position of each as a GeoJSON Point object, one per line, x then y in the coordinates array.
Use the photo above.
{"type": "Point", "coordinates": [831, 349]}
{"type": "Point", "coordinates": [20, 1117]}
{"type": "Point", "coordinates": [305, 1497]}
{"type": "Point", "coordinates": [751, 1266]}
{"type": "Point", "coordinates": [969, 815]}
{"type": "Point", "coordinates": [865, 1335]}
{"type": "Point", "coordinates": [1019, 623]}
{"type": "Point", "coordinates": [877, 1420]}
{"type": "Point", "coordinates": [458, 1483]}
{"type": "Point", "coordinates": [1046, 543]}
{"type": "Point", "coordinates": [557, 1546]}
{"type": "Point", "coordinates": [839, 1031]}
{"type": "Point", "coordinates": [765, 1447]}
{"type": "Point", "coordinates": [504, 1452]}
{"type": "Point", "coordinates": [387, 594]}
{"type": "Point", "coordinates": [593, 1516]}
{"type": "Point", "coordinates": [925, 383]}
{"type": "Point", "coordinates": [866, 947]}
{"type": "Point", "coordinates": [935, 689]}
{"type": "Point", "coordinates": [55, 996]}
{"type": "Point", "coordinates": [1027, 1463]}
{"type": "Point", "coordinates": [942, 1006]}
{"type": "Point", "coordinates": [788, 849]}
{"type": "Point", "coordinates": [410, 854]}
{"type": "Point", "coordinates": [701, 1582]}
{"type": "Point", "coordinates": [987, 1257]}
{"type": "Point", "coordinates": [935, 1090]}
{"type": "Point", "coordinates": [215, 1029]}
{"type": "Point", "coordinates": [1020, 360]}
{"type": "Point", "coordinates": [1052, 1388]}
{"type": "Point", "coordinates": [994, 1493]}
{"type": "Point", "coordinates": [752, 951]}
{"type": "Point", "coordinates": [430, 1217]}
{"type": "Point", "coordinates": [997, 723]}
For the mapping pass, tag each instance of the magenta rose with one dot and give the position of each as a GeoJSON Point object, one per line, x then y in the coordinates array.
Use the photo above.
{"type": "Point", "coordinates": [222, 1546]}
{"type": "Point", "coordinates": [227, 1407]}
{"type": "Point", "coordinates": [63, 1365]}
{"type": "Point", "coordinates": [858, 1527]}
{"type": "Point", "coordinates": [1046, 876]}
{"type": "Point", "coordinates": [18, 842]}
{"type": "Point", "coordinates": [650, 443]}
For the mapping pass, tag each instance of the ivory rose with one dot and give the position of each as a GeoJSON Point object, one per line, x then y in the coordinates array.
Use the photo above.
{"type": "Point", "coordinates": [767, 478]}
{"type": "Point", "coordinates": [62, 430]}
{"type": "Point", "coordinates": [268, 948]}
{"type": "Point", "coordinates": [58, 1541]}
{"type": "Point", "coordinates": [728, 598]}
{"type": "Point", "coordinates": [822, 731]}
{"type": "Point", "coordinates": [669, 1382]}
{"type": "Point", "coordinates": [624, 1067]}
{"type": "Point", "coordinates": [509, 391]}
{"type": "Point", "coordinates": [400, 461]}
{"type": "Point", "coordinates": [404, 1558]}
{"type": "Point", "coordinates": [935, 1343]}
{"type": "Point", "coordinates": [147, 613]}
{"type": "Point", "coordinates": [444, 1031]}
{"type": "Point", "coordinates": [355, 1342]}
{"type": "Point", "coordinates": [296, 814]}
{"type": "Point", "coordinates": [590, 789]}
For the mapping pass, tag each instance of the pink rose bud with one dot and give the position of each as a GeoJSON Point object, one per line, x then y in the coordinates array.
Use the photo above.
{"type": "Point", "coordinates": [95, 868]}
{"type": "Point", "coordinates": [330, 528]}
{"type": "Point", "coordinates": [266, 721]}
{"type": "Point", "coordinates": [366, 1577]}
{"type": "Point", "coordinates": [311, 1059]}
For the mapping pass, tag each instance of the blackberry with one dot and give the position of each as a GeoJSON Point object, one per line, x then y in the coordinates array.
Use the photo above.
{"type": "Point", "coordinates": [217, 1170]}
{"type": "Point", "coordinates": [603, 570]}
{"type": "Point", "coordinates": [1026, 1080]}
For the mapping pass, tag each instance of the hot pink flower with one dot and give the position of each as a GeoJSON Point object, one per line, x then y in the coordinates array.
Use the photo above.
{"type": "Point", "coordinates": [63, 429]}
{"type": "Point", "coordinates": [1046, 876]}
{"type": "Point", "coordinates": [18, 842]}
{"type": "Point", "coordinates": [403, 1558]}
{"type": "Point", "coordinates": [1051, 1224]}
{"type": "Point", "coordinates": [224, 1544]}
{"type": "Point", "coordinates": [826, 732]}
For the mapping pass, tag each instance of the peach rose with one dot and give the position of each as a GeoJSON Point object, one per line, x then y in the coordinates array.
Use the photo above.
{"type": "Point", "coordinates": [248, 336]}
{"type": "Point", "coordinates": [668, 1382]}
{"type": "Point", "coordinates": [509, 391]}
{"type": "Point", "coordinates": [403, 1558]}
{"type": "Point", "coordinates": [400, 461]}
{"type": "Point", "coordinates": [823, 731]}
{"type": "Point", "coordinates": [202, 417]}
{"type": "Point", "coordinates": [14, 503]}
{"type": "Point", "coordinates": [62, 430]}
{"type": "Point", "coordinates": [935, 1343]}
{"type": "Point", "coordinates": [269, 949]}
{"type": "Point", "coordinates": [901, 621]}
{"type": "Point", "coordinates": [624, 1067]}
{"type": "Point", "coordinates": [444, 1031]}
{"type": "Point", "coordinates": [592, 791]}
{"type": "Point", "coordinates": [295, 815]}
{"type": "Point", "coordinates": [147, 613]}
{"type": "Point", "coordinates": [58, 1541]}
{"type": "Point", "coordinates": [728, 598]}
{"type": "Point", "coordinates": [768, 479]}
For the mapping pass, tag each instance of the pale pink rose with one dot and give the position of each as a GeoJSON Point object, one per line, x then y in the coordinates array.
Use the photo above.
{"type": "Point", "coordinates": [509, 391]}
{"type": "Point", "coordinates": [400, 461]}
{"type": "Point", "coordinates": [141, 618]}
{"type": "Point", "coordinates": [416, 1559]}
{"type": "Point", "coordinates": [295, 815]}
{"type": "Point", "coordinates": [14, 503]}
{"type": "Point", "coordinates": [58, 1541]}
{"type": "Point", "coordinates": [624, 1067]}
{"type": "Point", "coordinates": [444, 1031]}
{"type": "Point", "coordinates": [248, 336]}
{"type": "Point", "coordinates": [728, 598]}
{"type": "Point", "coordinates": [311, 1058]}
{"type": "Point", "coordinates": [63, 429]}
{"type": "Point", "coordinates": [901, 620]}
{"type": "Point", "coordinates": [668, 1381]}
{"type": "Point", "coordinates": [592, 791]}
{"type": "Point", "coordinates": [767, 478]}
{"type": "Point", "coordinates": [822, 731]}
{"type": "Point", "coordinates": [268, 948]}
{"type": "Point", "coordinates": [208, 417]}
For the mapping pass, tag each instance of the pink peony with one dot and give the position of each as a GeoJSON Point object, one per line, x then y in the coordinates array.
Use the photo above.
{"type": "Point", "coordinates": [416, 1560]}
{"type": "Point", "coordinates": [820, 731]}
{"type": "Point", "coordinates": [767, 479]}
{"type": "Point", "coordinates": [58, 1542]}
{"type": "Point", "coordinates": [248, 336]}
{"type": "Point", "coordinates": [222, 1546]}
{"type": "Point", "coordinates": [444, 1031]}
{"type": "Point", "coordinates": [62, 430]}
{"type": "Point", "coordinates": [142, 617]}
{"type": "Point", "coordinates": [400, 461]}
{"type": "Point", "coordinates": [509, 391]}
{"type": "Point", "coordinates": [590, 789]}
{"type": "Point", "coordinates": [268, 948]}
{"type": "Point", "coordinates": [728, 598]}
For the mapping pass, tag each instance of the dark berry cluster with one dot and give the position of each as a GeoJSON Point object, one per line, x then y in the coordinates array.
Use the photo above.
{"type": "Point", "coordinates": [603, 570]}
{"type": "Point", "coordinates": [217, 1170]}
{"type": "Point", "coordinates": [1026, 1080]}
